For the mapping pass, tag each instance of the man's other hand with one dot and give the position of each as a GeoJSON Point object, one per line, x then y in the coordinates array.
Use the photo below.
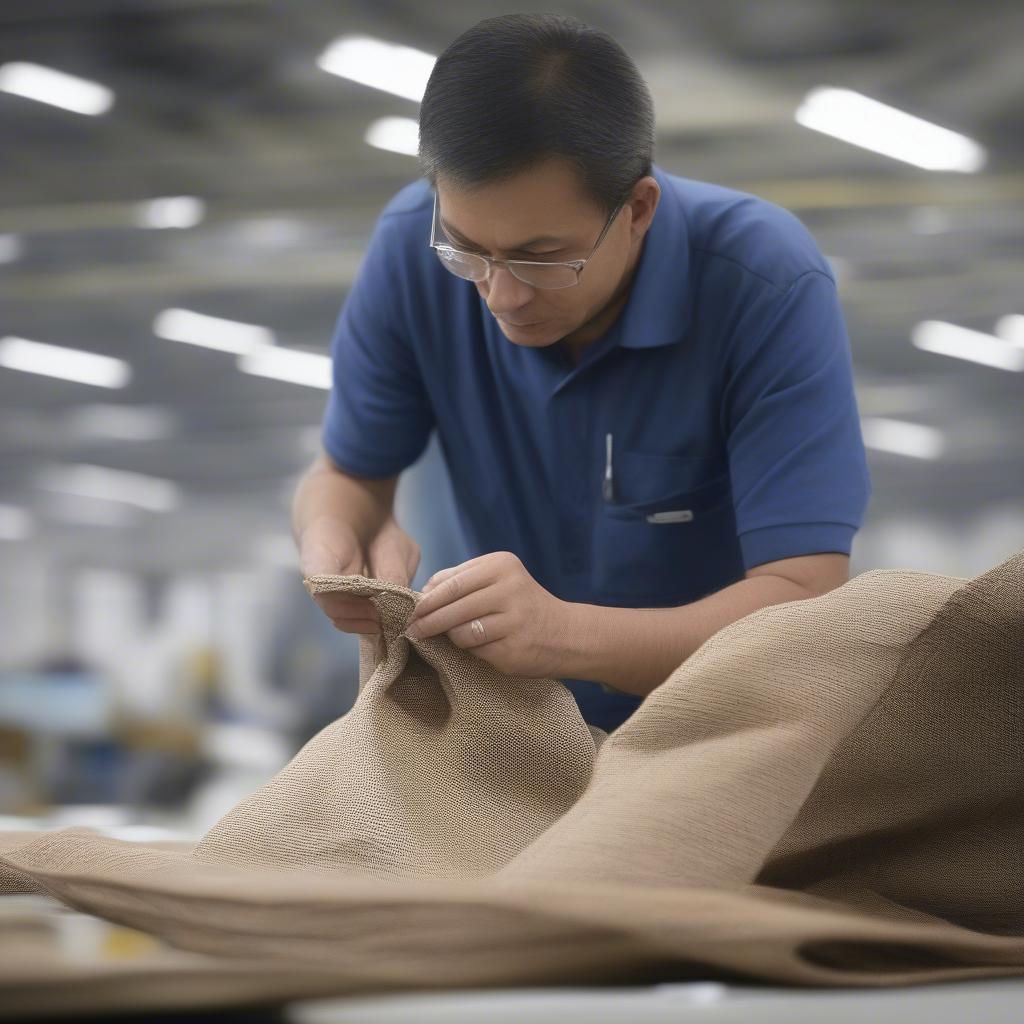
{"type": "Point", "coordinates": [329, 547]}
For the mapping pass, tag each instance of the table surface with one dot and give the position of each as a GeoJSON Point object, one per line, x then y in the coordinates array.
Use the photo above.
{"type": "Point", "coordinates": [998, 1001]}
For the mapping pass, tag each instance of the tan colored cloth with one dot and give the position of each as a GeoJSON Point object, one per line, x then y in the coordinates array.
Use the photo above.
{"type": "Point", "coordinates": [829, 792]}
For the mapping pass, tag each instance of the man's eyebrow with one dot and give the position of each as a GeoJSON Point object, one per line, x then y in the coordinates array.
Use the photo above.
{"type": "Point", "coordinates": [522, 247]}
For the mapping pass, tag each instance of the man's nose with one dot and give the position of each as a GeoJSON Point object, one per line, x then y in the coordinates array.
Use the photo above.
{"type": "Point", "coordinates": [505, 292]}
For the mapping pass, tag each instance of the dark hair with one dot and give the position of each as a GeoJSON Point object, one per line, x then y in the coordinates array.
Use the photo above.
{"type": "Point", "coordinates": [516, 89]}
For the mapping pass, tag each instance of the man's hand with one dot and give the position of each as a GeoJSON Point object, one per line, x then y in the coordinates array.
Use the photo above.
{"type": "Point", "coordinates": [330, 547]}
{"type": "Point", "coordinates": [492, 607]}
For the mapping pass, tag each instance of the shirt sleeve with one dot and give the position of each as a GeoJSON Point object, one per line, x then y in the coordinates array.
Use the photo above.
{"type": "Point", "coordinates": [796, 457]}
{"type": "Point", "coordinates": [378, 417]}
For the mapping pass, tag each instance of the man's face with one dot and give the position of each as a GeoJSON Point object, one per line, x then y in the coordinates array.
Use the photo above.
{"type": "Point", "coordinates": [543, 213]}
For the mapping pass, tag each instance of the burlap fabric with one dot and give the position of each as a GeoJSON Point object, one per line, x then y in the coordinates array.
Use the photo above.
{"type": "Point", "coordinates": [829, 792]}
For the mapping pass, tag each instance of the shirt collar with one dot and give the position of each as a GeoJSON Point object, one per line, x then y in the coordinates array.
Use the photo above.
{"type": "Point", "coordinates": [657, 311]}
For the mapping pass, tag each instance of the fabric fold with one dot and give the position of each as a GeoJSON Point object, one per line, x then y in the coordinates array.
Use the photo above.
{"type": "Point", "coordinates": [828, 792]}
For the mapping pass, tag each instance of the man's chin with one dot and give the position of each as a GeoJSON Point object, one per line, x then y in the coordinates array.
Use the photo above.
{"type": "Point", "coordinates": [537, 335]}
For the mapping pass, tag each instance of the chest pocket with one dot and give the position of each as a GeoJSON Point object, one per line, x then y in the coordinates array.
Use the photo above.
{"type": "Point", "coordinates": [670, 534]}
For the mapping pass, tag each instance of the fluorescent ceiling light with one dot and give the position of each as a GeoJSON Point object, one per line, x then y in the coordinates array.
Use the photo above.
{"type": "Point", "coordinates": [10, 248]}
{"type": "Point", "coordinates": [289, 364]}
{"type": "Point", "coordinates": [847, 115]}
{"type": "Point", "coordinates": [400, 70]}
{"type": "Point", "coordinates": [1011, 328]}
{"type": "Point", "coordinates": [961, 343]}
{"type": "Point", "coordinates": [15, 523]}
{"type": "Point", "coordinates": [170, 212]}
{"type": "Point", "coordinates": [210, 331]}
{"type": "Point", "coordinates": [902, 438]}
{"type": "Point", "coordinates": [146, 492]}
{"type": "Point", "coordinates": [64, 363]}
{"type": "Point", "coordinates": [397, 134]}
{"type": "Point", "coordinates": [122, 422]}
{"type": "Point", "coordinates": [59, 89]}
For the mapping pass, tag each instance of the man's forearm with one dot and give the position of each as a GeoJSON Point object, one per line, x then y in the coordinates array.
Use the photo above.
{"type": "Point", "coordinates": [635, 649]}
{"type": "Point", "coordinates": [326, 493]}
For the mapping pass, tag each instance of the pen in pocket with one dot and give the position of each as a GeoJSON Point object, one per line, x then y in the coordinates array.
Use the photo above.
{"type": "Point", "coordinates": [608, 487]}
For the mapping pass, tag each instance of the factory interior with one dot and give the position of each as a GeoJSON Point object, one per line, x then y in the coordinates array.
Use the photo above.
{"type": "Point", "coordinates": [187, 191]}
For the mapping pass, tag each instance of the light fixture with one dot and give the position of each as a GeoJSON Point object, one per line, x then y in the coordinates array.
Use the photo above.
{"type": "Point", "coordinates": [862, 121]}
{"type": "Point", "coordinates": [59, 89]}
{"type": "Point", "coordinates": [289, 364]}
{"type": "Point", "coordinates": [901, 438]}
{"type": "Point", "coordinates": [396, 134]}
{"type": "Point", "coordinates": [146, 492]}
{"type": "Point", "coordinates": [214, 332]}
{"type": "Point", "coordinates": [170, 212]}
{"type": "Point", "coordinates": [400, 70]}
{"type": "Point", "coordinates": [962, 343]}
{"type": "Point", "coordinates": [1011, 328]}
{"type": "Point", "coordinates": [63, 363]}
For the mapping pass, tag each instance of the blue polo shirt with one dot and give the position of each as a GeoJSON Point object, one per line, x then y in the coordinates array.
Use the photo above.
{"type": "Point", "coordinates": [725, 384]}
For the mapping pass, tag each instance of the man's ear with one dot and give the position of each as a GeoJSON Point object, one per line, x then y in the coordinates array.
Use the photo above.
{"type": "Point", "coordinates": [643, 202]}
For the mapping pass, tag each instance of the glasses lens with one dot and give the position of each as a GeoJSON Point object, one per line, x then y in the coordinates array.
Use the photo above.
{"type": "Point", "coordinates": [474, 268]}
{"type": "Point", "coordinates": [556, 275]}
{"type": "Point", "coordinates": [462, 264]}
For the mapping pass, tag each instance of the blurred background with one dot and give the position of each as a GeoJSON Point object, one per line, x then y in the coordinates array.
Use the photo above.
{"type": "Point", "coordinates": [186, 187]}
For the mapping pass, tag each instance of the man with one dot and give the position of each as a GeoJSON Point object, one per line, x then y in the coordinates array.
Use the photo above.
{"type": "Point", "coordinates": [641, 383]}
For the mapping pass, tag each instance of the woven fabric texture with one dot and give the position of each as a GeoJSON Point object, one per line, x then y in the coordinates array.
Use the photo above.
{"type": "Point", "coordinates": [829, 792]}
